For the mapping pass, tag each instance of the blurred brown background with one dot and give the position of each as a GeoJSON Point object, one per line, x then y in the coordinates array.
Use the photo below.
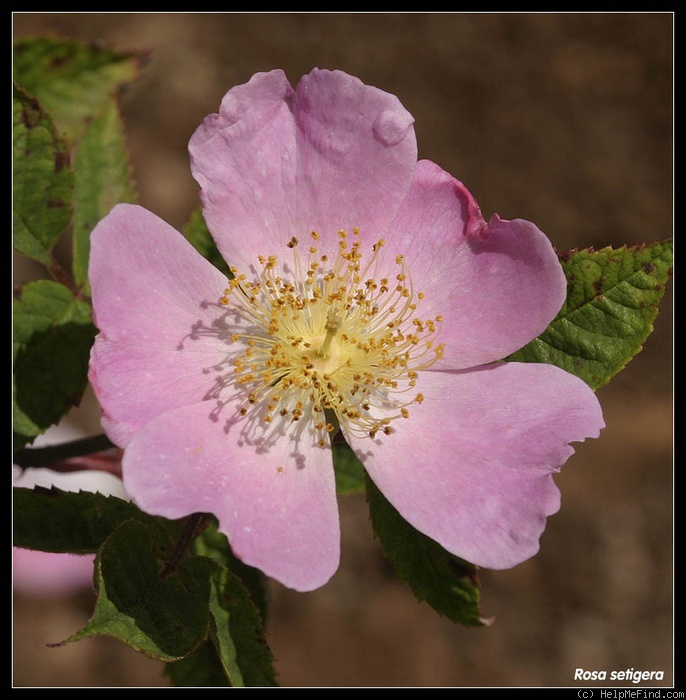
{"type": "Point", "coordinates": [564, 119]}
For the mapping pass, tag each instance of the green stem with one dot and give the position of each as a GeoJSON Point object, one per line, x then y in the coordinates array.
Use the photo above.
{"type": "Point", "coordinates": [40, 456]}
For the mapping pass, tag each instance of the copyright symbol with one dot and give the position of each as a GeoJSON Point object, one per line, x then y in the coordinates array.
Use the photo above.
{"type": "Point", "coordinates": [585, 693]}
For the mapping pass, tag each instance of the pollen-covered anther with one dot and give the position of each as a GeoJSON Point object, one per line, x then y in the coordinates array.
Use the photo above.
{"type": "Point", "coordinates": [331, 333]}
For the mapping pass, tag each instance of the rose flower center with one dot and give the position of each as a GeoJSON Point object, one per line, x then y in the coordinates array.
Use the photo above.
{"type": "Point", "coordinates": [331, 338]}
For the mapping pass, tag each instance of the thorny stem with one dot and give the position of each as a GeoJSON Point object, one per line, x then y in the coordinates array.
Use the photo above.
{"type": "Point", "coordinates": [59, 274]}
{"type": "Point", "coordinates": [62, 276]}
{"type": "Point", "coordinates": [57, 454]}
{"type": "Point", "coordinates": [194, 526]}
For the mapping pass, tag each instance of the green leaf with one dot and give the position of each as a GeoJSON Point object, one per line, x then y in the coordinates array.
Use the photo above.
{"type": "Point", "coordinates": [213, 544]}
{"type": "Point", "coordinates": [53, 334]}
{"type": "Point", "coordinates": [237, 654]}
{"type": "Point", "coordinates": [447, 583]}
{"type": "Point", "coordinates": [72, 80]}
{"type": "Point", "coordinates": [165, 617]}
{"type": "Point", "coordinates": [199, 237]}
{"type": "Point", "coordinates": [42, 182]}
{"type": "Point", "coordinates": [201, 611]}
{"type": "Point", "coordinates": [238, 608]}
{"type": "Point", "coordinates": [200, 669]}
{"type": "Point", "coordinates": [103, 179]}
{"type": "Point", "coordinates": [237, 632]}
{"type": "Point", "coordinates": [612, 301]}
{"type": "Point", "coordinates": [52, 520]}
{"type": "Point", "coordinates": [350, 474]}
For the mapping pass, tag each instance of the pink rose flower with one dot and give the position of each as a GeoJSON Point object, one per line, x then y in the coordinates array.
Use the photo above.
{"type": "Point", "coordinates": [368, 293]}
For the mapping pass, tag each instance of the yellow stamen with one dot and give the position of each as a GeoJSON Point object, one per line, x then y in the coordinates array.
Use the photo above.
{"type": "Point", "coordinates": [330, 333]}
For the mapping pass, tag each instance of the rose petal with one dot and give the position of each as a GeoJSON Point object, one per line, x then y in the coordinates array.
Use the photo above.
{"type": "Point", "coordinates": [497, 286]}
{"type": "Point", "coordinates": [155, 301]}
{"type": "Point", "coordinates": [244, 159]}
{"type": "Point", "coordinates": [356, 154]}
{"type": "Point", "coordinates": [275, 499]}
{"type": "Point", "coordinates": [472, 465]}
{"type": "Point", "coordinates": [274, 164]}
